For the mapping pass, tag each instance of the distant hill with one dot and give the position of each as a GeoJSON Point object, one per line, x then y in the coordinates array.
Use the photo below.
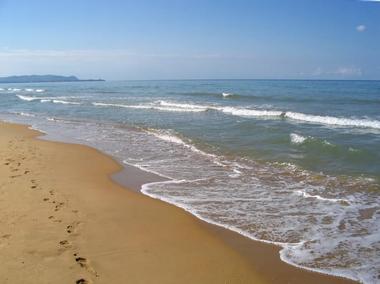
{"type": "Point", "coordinates": [42, 79]}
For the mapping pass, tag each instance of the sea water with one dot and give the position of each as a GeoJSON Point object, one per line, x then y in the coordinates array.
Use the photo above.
{"type": "Point", "coordinates": [294, 163]}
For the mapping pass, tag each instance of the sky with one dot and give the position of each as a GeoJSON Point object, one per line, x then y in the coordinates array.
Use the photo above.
{"type": "Point", "coordinates": [191, 39]}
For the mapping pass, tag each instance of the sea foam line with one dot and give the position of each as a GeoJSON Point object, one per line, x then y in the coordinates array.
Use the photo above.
{"type": "Point", "coordinates": [172, 138]}
{"type": "Point", "coordinates": [246, 112]}
{"type": "Point", "coordinates": [249, 112]}
{"type": "Point", "coordinates": [46, 100]}
{"type": "Point", "coordinates": [284, 246]}
{"type": "Point", "coordinates": [308, 195]}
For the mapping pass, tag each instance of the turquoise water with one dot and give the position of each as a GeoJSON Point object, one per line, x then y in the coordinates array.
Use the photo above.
{"type": "Point", "coordinates": [294, 163]}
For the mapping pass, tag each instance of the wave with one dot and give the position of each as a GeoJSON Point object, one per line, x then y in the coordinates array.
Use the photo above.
{"type": "Point", "coordinates": [27, 98]}
{"type": "Point", "coordinates": [247, 112]}
{"type": "Point", "coordinates": [24, 114]}
{"type": "Point", "coordinates": [316, 196]}
{"type": "Point", "coordinates": [228, 95]}
{"type": "Point", "coordinates": [331, 120]}
{"type": "Point", "coordinates": [121, 105]}
{"type": "Point", "coordinates": [297, 139]}
{"type": "Point", "coordinates": [13, 89]}
{"type": "Point", "coordinates": [250, 112]}
{"type": "Point", "coordinates": [184, 107]}
{"type": "Point", "coordinates": [166, 136]}
{"type": "Point", "coordinates": [47, 100]}
{"type": "Point", "coordinates": [170, 137]}
{"type": "Point", "coordinates": [64, 102]}
{"type": "Point", "coordinates": [161, 106]}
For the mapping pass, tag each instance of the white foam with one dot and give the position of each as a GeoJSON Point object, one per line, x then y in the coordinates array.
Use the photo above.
{"type": "Point", "coordinates": [40, 90]}
{"type": "Point", "coordinates": [27, 98]}
{"type": "Point", "coordinates": [297, 139]}
{"type": "Point", "coordinates": [316, 196]}
{"type": "Point", "coordinates": [146, 169]}
{"type": "Point", "coordinates": [64, 102]}
{"type": "Point", "coordinates": [161, 107]}
{"type": "Point", "coordinates": [121, 105]}
{"type": "Point", "coordinates": [46, 100]}
{"type": "Point", "coordinates": [29, 90]}
{"type": "Point", "coordinates": [331, 120]}
{"type": "Point", "coordinates": [226, 95]}
{"type": "Point", "coordinates": [169, 138]}
{"type": "Point", "coordinates": [172, 138]}
{"type": "Point", "coordinates": [327, 143]}
{"type": "Point", "coordinates": [24, 114]}
{"type": "Point", "coordinates": [249, 112]}
{"type": "Point", "coordinates": [183, 107]}
{"type": "Point", "coordinates": [145, 190]}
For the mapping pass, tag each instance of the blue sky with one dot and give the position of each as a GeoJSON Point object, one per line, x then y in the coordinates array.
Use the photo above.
{"type": "Point", "coordinates": [176, 39]}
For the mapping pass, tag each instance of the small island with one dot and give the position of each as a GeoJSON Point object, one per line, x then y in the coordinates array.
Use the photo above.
{"type": "Point", "coordinates": [44, 79]}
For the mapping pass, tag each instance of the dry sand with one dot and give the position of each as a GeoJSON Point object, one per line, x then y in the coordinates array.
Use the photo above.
{"type": "Point", "coordinates": [63, 220]}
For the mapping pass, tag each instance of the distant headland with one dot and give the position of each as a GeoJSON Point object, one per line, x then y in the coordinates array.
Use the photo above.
{"type": "Point", "coordinates": [43, 79]}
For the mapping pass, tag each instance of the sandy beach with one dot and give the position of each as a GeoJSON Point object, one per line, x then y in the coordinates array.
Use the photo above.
{"type": "Point", "coordinates": [64, 220]}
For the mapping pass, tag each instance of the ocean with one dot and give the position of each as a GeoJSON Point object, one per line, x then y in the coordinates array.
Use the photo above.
{"type": "Point", "coordinates": [293, 163]}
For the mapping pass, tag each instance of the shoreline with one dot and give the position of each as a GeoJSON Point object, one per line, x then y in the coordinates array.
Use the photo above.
{"type": "Point", "coordinates": [245, 245]}
{"type": "Point", "coordinates": [249, 254]}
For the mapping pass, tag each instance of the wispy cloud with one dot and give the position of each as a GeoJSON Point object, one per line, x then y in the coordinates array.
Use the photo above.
{"type": "Point", "coordinates": [361, 28]}
{"type": "Point", "coordinates": [342, 71]}
{"type": "Point", "coordinates": [107, 54]}
{"type": "Point", "coordinates": [348, 71]}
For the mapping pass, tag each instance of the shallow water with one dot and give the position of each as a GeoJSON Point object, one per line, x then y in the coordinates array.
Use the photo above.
{"type": "Point", "coordinates": [294, 163]}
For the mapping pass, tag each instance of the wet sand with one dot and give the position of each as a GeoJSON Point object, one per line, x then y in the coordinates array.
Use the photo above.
{"type": "Point", "coordinates": [64, 220]}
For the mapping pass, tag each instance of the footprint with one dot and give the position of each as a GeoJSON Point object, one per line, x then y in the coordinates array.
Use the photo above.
{"type": "Point", "coordinates": [84, 263]}
{"type": "Point", "coordinates": [72, 227]}
{"type": "Point", "coordinates": [45, 199]}
{"type": "Point", "coordinates": [59, 206]}
{"type": "Point", "coordinates": [15, 176]}
{"type": "Point", "coordinates": [65, 244]}
{"type": "Point", "coordinates": [69, 229]}
{"type": "Point", "coordinates": [82, 281]}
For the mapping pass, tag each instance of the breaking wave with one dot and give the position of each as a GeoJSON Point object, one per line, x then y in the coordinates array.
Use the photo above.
{"type": "Point", "coordinates": [55, 100]}
{"type": "Point", "coordinates": [250, 112]}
